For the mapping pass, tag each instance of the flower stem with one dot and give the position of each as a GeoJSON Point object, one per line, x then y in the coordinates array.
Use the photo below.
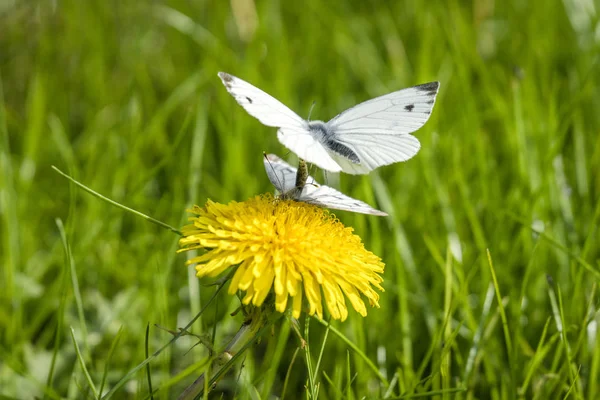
{"type": "Point", "coordinates": [257, 322]}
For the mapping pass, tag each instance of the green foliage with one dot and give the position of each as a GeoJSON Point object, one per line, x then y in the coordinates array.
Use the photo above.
{"type": "Point", "coordinates": [492, 247]}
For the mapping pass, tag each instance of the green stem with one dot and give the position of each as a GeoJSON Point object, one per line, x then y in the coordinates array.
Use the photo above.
{"type": "Point", "coordinates": [253, 328]}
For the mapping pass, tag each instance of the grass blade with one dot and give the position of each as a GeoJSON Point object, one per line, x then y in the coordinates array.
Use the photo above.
{"type": "Point", "coordinates": [114, 203]}
{"type": "Point", "coordinates": [82, 365]}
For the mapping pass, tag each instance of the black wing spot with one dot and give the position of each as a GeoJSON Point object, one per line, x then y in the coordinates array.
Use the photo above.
{"type": "Point", "coordinates": [249, 99]}
{"type": "Point", "coordinates": [342, 150]}
{"type": "Point", "coordinates": [409, 107]}
{"type": "Point", "coordinates": [431, 88]}
{"type": "Point", "coordinates": [427, 87]}
{"type": "Point", "coordinates": [226, 77]}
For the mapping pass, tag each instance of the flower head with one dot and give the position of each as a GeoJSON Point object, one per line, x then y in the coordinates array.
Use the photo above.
{"type": "Point", "coordinates": [297, 248]}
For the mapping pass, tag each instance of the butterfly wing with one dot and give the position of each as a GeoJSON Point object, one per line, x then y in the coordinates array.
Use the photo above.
{"type": "Point", "coordinates": [328, 197]}
{"type": "Point", "coordinates": [307, 148]}
{"type": "Point", "coordinates": [374, 150]}
{"type": "Point", "coordinates": [283, 177]}
{"type": "Point", "coordinates": [379, 130]}
{"type": "Point", "coordinates": [262, 106]}
{"type": "Point", "coordinates": [293, 131]}
{"type": "Point", "coordinates": [281, 174]}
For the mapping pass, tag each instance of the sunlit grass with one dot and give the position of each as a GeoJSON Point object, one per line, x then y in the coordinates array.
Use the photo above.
{"type": "Point", "coordinates": [491, 247]}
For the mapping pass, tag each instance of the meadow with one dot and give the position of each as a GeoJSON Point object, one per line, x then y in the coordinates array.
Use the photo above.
{"type": "Point", "coordinates": [491, 248]}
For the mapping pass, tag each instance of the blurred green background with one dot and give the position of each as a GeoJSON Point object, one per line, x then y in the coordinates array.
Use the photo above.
{"type": "Point", "coordinates": [124, 96]}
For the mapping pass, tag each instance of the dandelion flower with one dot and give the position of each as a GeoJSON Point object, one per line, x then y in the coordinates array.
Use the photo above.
{"type": "Point", "coordinates": [295, 248]}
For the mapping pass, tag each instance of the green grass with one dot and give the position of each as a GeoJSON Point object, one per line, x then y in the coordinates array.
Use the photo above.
{"type": "Point", "coordinates": [492, 248]}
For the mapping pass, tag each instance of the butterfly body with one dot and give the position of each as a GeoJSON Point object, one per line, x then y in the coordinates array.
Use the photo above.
{"type": "Point", "coordinates": [292, 194]}
{"type": "Point", "coordinates": [323, 134]}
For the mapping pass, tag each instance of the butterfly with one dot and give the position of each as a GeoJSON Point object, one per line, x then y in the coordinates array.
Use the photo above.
{"type": "Point", "coordinates": [371, 134]}
{"type": "Point", "coordinates": [296, 184]}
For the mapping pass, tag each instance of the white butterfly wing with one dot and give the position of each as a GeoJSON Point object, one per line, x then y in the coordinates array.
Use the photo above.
{"type": "Point", "coordinates": [378, 130]}
{"type": "Point", "coordinates": [307, 148]}
{"type": "Point", "coordinates": [281, 174]}
{"type": "Point", "coordinates": [400, 112]}
{"type": "Point", "coordinates": [283, 177]}
{"type": "Point", "coordinates": [375, 150]}
{"type": "Point", "coordinates": [260, 105]}
{"type": "Point", "coordinates": [328, 197]}
{"type": "Point", "coordinates": [293, 130]}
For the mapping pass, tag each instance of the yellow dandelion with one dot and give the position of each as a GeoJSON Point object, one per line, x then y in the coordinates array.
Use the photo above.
{"type": "Point", "coordinates": [295, 248]}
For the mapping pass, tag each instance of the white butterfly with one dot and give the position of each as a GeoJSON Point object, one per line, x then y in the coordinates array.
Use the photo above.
{"type": "Point", "coordinates": [304, 188]}
{"type": "Point", "coordinates": [360, 139]}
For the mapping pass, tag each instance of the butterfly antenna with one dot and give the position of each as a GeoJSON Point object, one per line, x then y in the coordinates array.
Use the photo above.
{"type": "Point", "coordinates": [274, 172]}
{"type": "Point", "coordinates": [311, 108]}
